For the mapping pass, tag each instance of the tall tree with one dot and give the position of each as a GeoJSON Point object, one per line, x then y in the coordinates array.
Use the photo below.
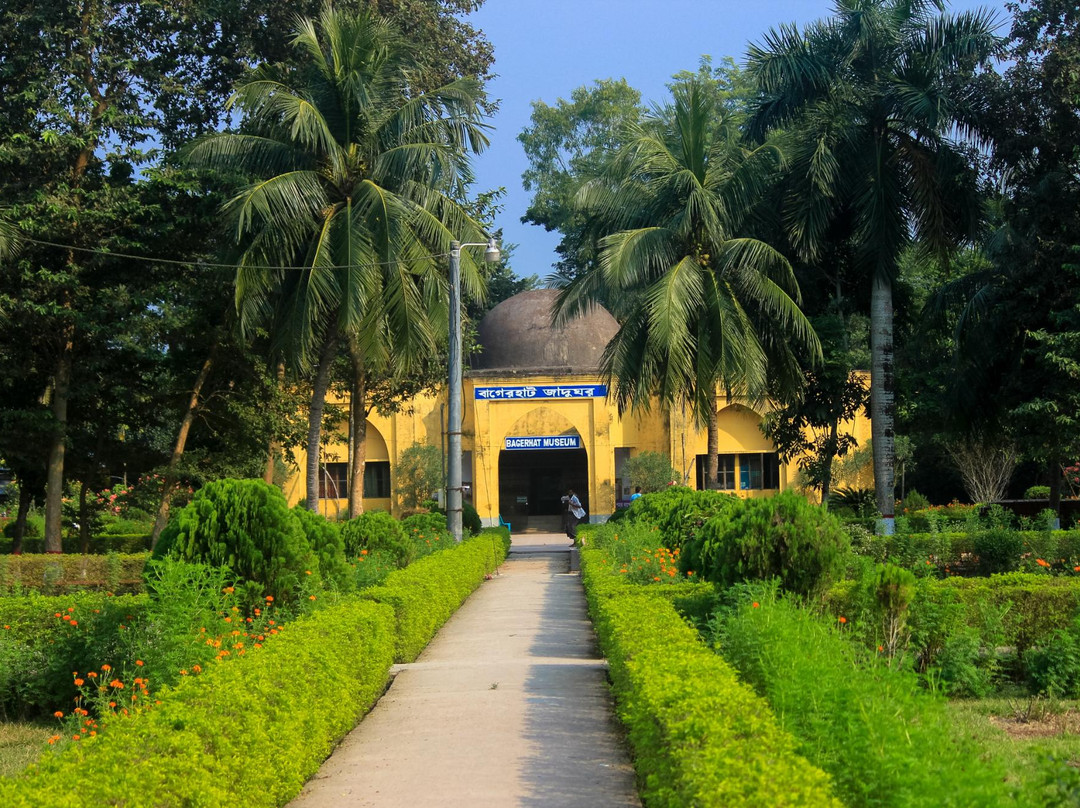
{"type": "Point", "coordinates": [876, 93]}
{"type": "Point", "coordinates": [700, 303]}
{"type": "Point", "coordinates": [352, 208]}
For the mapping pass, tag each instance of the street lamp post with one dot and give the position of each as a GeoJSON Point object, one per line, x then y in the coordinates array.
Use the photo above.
{"type": "Point", "coordinates": [454, 408]}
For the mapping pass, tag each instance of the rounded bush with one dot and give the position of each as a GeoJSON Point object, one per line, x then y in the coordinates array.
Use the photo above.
{"type": "Point", "coordinates": [679, 512]}
{"type": "Point", "coordinates": [377, 530]}
{"type": "Point", "coordinates": [998, 550]}
{"type": "Point", "coordinates": [783, 537]}
{"type": "Point", "coordinates": [245, 525]}
{"type": "Point", "coordinates": [324, 537]}
{"type": "Point", "coordinates": [470, 519]}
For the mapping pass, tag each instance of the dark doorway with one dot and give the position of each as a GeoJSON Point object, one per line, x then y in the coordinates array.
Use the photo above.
{"type": "Point", "coordinates": [531, 485]}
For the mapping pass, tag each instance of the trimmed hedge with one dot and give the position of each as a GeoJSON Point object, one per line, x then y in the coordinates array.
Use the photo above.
{"type": "Point", "coordinates": [245, 732]}
{"type": "Point", "coordinates": [100, 544]}
{"type": "Point", "coordinates": [699, 736]}
{"type": "Point", "coordinates": [428, 591]}
{"type": "Point", "coordinates": [885, 740]}
{"type": "Point", "coordinates": [1037, 604]}
{"type": "Point", "coordinates": [55, 573]}
{"type": "Point", "coordinates": [959, 549]}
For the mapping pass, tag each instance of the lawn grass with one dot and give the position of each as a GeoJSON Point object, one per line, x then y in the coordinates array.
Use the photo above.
{"type": "Point", "coordinates": [1023, 733]}
{"type": "Point", "coordinates": [21, 744]}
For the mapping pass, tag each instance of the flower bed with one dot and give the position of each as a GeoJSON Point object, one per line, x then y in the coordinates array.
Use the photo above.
{"type": "Point", "coordinates": [250, 732]}
{"type": "Point", "coordinates": [699, 736]}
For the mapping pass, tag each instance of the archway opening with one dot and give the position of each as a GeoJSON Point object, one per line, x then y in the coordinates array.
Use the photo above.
{"type": "Point", "coordinates": [533, 481]}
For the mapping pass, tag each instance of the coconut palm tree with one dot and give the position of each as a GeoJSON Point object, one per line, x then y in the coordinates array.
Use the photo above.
{"type": "Point", "coordinates": [353, 203]}
{"type": "Point", "coordinates": [877, 95]}
{"type": "Point", "coordinates": [701, 304]}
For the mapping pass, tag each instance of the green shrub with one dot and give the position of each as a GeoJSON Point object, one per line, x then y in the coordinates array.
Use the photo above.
{"type": "Point", "coordinates": [288, 703]}
{"type": "Point", "coordinates": [1053, 666]}
{"type": "Point", "coordinates": [377, 531]}
{"type": "Point", "coordinates": [35, 527]}
{"type": "Point", "coordinates": [699, 736]}
{"type": "Point", "coordinates": [425, 594]}
{"type": "Point", "coordinates": [782, 537]}
{"type": "Point", "coordinates": [651, 471]}
{"type": "Point", "coordinates": [245, 525]}
{"type": "Point", "coordinates": [128, 527]}
{"type": "Point", "coordinates": [325, 539]}
{"type": "Point", "coordinates": [860, 502]}
{"type": "Point", "coordinates": [417, 474]}
{"type": "Point", "coordinates": [882, 737]}
{"type": "Point", "coordinates": [39, 649]}
{"type": "Point", "coordinates": [914, 501]}
{"type": "Point", "coordinates": [678, 512]}
{"type": "Point", "coordinates": [1038, 492]}
{"type": "Point", "coordinates": [998, 550]}
{"type": "Point", "coordinates": [470, 519]}
{"type": "Point", "coordinates": [427, 532]}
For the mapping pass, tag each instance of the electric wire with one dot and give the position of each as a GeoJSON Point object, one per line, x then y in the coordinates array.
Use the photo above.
{"type": "Point", "coordinates": [212, 265]}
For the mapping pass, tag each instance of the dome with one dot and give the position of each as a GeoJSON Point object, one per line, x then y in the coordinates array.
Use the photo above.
{"type": "Point", "coordinates": [518, 335]}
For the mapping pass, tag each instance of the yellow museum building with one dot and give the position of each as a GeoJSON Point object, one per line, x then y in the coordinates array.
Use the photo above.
{"type": "Point", "coordinates": [537, 421]}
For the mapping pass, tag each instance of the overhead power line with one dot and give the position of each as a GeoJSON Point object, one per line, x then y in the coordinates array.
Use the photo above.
{"type": "Point", "coordinates": [211, 265]}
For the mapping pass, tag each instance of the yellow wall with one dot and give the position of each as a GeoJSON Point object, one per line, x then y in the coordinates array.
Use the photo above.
{"type": "Point", "coordinates": [488, 423]}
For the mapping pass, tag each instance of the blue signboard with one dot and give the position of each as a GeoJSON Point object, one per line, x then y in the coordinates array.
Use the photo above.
{"type": "Point", "coordinates": [545, 442]}
{"type": "Point", "coordinates": [540, 391]}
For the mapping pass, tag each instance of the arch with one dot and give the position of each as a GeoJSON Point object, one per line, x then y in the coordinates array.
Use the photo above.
{"type": "Point", "coordinates": [542, 421]}
{"type": "Point", "coordinates": [738, 426]}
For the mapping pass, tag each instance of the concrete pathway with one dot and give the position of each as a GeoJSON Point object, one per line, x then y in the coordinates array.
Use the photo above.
{"type": "Point", "coordinates": [508, 706]}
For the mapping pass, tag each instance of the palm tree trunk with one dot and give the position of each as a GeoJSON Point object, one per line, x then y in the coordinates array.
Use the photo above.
{"type": "Point", "coordinates": [883, 399]}
{"type": "Point", "coordinates": [169, 484]}
{"type": "Point", "coordinates": [358, 421]}
{"type": "Point", "coordinates": [54, 482]}
{"type": "Point", "coordinates": [315, 417]}
{"type": "Point", "coordinates": [712, 463]}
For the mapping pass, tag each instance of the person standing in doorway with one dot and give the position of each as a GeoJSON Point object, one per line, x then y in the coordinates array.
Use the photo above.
{"type": "Point", "coordinates": [574, 513]}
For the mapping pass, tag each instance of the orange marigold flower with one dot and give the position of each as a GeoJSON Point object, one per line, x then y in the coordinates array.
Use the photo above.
{"type": "Point", "coordinates": [76, 738]}
{"type": "Point", "coordinates": [57, 614]}
{"type": "Point", "coordinates": [79, 682]}
{"type": "Point", "coordinates": [112, 704]}
{"type": "Point", "coordinates": [755, 604]}
{"type": "Point", "coordinates": [106, 668]}
{"type": "Point", "coordinates": [1042, 562]}
{"type": "Point", "coordinates": [183, 672]}
{"type": "Point", "coordinates": [269, 598]}
{"type": "Point", "coordinates": [880, 648]}
{"type": "Point", "coordinates": [139, 662]}
{"type": "Point", "coordinates": [73, 622]}
{"type": "Point", "coordinates": [307, 572]}
{"type": "Point", "coordinates": [311, 597]}
{"type": "Point", "coordinates": [58, 714]}
{"type": "Point", "coordinates": [71, 608]}
{"type": "Point", "coordinates": [842, 619]}
{"type": "Point", "coordinates": [92, 675]}
{"type": "Point", "coordinates": [197, 668]}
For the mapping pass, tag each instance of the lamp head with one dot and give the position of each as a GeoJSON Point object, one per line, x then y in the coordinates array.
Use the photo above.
{"type": "Point", "coordinates": [492, 254]}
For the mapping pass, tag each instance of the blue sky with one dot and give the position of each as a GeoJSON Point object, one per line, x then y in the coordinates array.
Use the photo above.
{"type": "Point", "coordinates": [546, 48]}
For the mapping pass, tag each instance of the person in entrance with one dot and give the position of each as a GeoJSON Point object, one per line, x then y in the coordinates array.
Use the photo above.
{"type": "Point", "coordinates": [574, 513]}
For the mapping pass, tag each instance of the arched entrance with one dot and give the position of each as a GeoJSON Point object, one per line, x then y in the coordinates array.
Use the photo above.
{"type": "Point", "coordinates": [532, 482]}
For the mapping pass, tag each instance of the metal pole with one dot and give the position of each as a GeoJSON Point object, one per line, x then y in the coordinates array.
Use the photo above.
{"type": "Point", "coordinates": [454, 410]}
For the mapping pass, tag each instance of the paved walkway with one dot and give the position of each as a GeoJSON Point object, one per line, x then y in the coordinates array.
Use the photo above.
{"type": "Point", "coordinates": [508, 706]}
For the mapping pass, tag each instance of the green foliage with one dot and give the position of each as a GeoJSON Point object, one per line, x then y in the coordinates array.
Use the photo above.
{"type": "Point", "coordinates": [998, 550]}
{"type": "Point", "coordinates": [212, 722]}
{"type": "Point", "coordinates": [35, 527]}
{"type": "Point", "coordinates": [470, 519]}
{"type": "Point", "coordinates": [859, 501]}
{"type": "Point", "coordinates": [418, 473]}
{"type": "Point", "coordinates": [636, 553]}
{"type": "Point", "coordinates": [782, 537]}
{"type": "Point", "coordinates": [377, 531]}
{"type": "Point", "coordinates": [325, 539]}
{"type": "Point", "coordinates": [884, 740]}
{"type": "Point", "coordinates": [699, 735]}
{"type": "Point", "coordinates": [41, 649]}
{"type": "Point", "coordinates": [247, 526]}
{"type": "Point", "coordinates": [678, 512]}
{"type": "Point", "coordinates": [1053, 666]}
{"type": "Point", "coordinates": [430, 590]}
{"type": "Point", "coordinates": [914, 501]}
{"type": "Point", "coordinates": [652, 471]}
